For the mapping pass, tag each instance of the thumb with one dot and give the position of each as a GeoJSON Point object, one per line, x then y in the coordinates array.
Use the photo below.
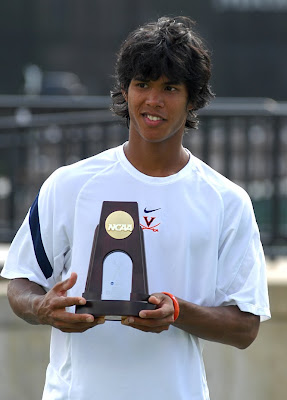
{"type": "Point", "coordinates": [63, 287]}
{"type": "Point", "coordinates": [153, 299]}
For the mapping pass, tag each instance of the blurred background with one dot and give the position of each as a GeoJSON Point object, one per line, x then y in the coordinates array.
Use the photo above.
{"type": "Point", "coordinates": [56, 72]}
{"type": "Point", "coordinates": [247, 39]}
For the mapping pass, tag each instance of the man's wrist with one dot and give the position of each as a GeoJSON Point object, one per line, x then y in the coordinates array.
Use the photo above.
{"type": "Point", "coordinates": [175, 305]}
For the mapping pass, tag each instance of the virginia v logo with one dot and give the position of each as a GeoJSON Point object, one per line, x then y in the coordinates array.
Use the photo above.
{"type": "Point", "coordinates": [149, 221]}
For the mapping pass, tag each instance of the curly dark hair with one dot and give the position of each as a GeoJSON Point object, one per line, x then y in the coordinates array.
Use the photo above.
{"type": "Point", "coordinates": [168, 47]}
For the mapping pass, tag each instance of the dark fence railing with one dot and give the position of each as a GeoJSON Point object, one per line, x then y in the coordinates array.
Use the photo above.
{"type": "Point", "coordinates": [244, 139]}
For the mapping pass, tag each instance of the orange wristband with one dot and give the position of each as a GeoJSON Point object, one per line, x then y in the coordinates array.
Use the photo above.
{"type": "Point", "coordinates": [175, 305]}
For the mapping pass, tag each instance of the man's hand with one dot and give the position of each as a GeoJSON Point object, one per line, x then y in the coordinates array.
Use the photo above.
{"type": "Point", "coordinates": [157, 320]}
{"type": "Point", "coordinates": [30, 302]}
{"type": "Point", "coordinates": [51, 309]}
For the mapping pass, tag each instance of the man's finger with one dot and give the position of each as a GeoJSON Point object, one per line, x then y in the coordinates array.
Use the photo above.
{"type": "Point", "coordinates": [154, 300]}
{"type": "Point", "coordinates": [76, 322]}
{"type": "Point", "coordinates": [158, 313]}
{"type": "Point", "coordinates": [71, 318]}
{"type": "Point", "coordinates": [67, 284]}
{"type": "Point", "coordinates": [63, 301]}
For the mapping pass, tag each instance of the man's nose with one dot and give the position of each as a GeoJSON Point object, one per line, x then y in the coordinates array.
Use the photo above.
{"type": "Point", "coordinates": [155, 98]}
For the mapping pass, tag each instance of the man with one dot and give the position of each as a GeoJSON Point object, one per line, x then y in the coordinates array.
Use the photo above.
{"type": "Point", "coordinates": [205, 249]}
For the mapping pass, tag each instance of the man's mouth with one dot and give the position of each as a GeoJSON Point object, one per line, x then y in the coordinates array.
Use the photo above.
{"type": "Point", "coordinates": [153, 117]}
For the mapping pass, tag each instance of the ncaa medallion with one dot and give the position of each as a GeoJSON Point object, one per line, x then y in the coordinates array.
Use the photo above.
{"type": "Point", "coordinates": [119, 225]}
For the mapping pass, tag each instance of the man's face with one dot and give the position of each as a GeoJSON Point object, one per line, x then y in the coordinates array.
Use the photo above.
{"type": "Point", "coordinates": [157, 109]}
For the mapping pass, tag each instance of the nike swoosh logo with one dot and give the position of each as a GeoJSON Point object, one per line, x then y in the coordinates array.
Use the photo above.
{"type": "Point", "coordinates": [149, 211]}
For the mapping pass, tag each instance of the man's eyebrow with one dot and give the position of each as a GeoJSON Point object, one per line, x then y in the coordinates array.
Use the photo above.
{"type": "Point", "coordinates": [172, 83]}
{"type": "Point", "coordinates": [140, 78]}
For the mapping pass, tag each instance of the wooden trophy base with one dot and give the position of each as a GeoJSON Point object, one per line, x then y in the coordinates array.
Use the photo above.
{"type": "Point", "coordinates": [114, 309]}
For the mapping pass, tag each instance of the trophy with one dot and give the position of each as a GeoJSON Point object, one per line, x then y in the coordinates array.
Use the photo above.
{"type": "Point", "coordinates": [117, 264]}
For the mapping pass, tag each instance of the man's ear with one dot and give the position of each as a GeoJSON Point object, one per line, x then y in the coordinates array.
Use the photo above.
{"type": "Point", "coordinates": [125, 95]}
{"type": "Point", "coordinates": [189, 106]}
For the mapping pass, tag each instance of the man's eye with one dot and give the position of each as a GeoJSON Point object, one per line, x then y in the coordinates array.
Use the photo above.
{"type": "Point", "coordinates": [170, 88]}
{"type": "Point", "coordinates": [142, 84]}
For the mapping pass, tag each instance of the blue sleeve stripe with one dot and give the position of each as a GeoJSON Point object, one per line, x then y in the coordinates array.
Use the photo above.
{"type": "Point", "coordinates": [40, 252]}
